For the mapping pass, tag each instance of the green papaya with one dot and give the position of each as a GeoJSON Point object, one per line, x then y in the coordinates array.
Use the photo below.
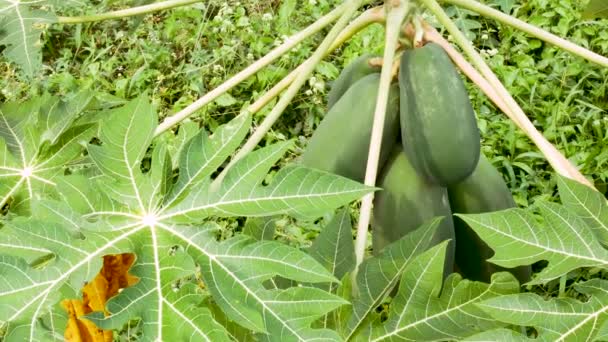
{"type": "Point", "coordinates": [438, 125]}
{"type": "Point", "coordinates": [340, 143]}
{"type": "Point", "coordinates": [482, 192]}
{"type": "Point", "coordinates": [353, 72]}
{"type": "Point", "coordinates": [405, 202]}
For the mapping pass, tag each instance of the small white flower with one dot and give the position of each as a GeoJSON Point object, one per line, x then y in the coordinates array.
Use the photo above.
{"type": "Point", "coordinates": [250, 56]}
{"type": "Point", "coordinates": [267, 17]}
{"type": "Point", "coordinates": [319, 86]}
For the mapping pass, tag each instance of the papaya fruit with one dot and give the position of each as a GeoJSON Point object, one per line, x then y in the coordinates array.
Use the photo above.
{"type": "Point", "coordinates": [438, 125]}
{"type": "Point", "coordinates": [340, 143]}
{"type": "Point", "coordinates": [483, 191]}
{"type": "Point", "coordinates": [353, 72]}
{"type": "Point", "coordinates": [405, 202]}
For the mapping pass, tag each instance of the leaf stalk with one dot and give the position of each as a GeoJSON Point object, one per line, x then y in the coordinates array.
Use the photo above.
{"type": "Point", "coordinates": [308, 67]}
{"type": "Point", "coordinates": [397, 11]}
{"type": "Point", "coordinates": [129, 12]}
{"type": "Point", "coordinates": [250, 70]}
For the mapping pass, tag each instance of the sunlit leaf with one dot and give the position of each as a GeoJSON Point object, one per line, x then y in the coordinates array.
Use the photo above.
{"type": "Point", "coordinates": [378, 275]}
{"type": "Point", "coordinates": [557, 319]}
{"type": "Point", "coordinates": [20, 30]}
{"type": "Point", "coordinates": [423, 311]}
{"type": "Point", "coordinates": [500, 334]}
{"type": "Point", "coordinates": [180, 264]}
{"type": "Point", "coordinates": [34, 152]}
{"type": "Point", "coordinates": [588, 204]}
{"type": "Point", "coordinates": [563, 239]}
{"type": "Point", "coordinates": [260, 228]}
{"type": "Point", "coordinates": [334, 247]}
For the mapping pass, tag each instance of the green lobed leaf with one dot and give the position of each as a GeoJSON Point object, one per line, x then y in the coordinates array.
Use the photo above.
{"type": "Point", "coordinates": [27, 294]}
{"type": "Point", "coordinates": [556, 319]}
{"type": "Point", "coordinates": [191, 321]}
{"type": "Point", "coordinates": [295, 190]}
{"type": "Point", "coordinates": [30, 163]}
{"type": "Point", "coordinates": [58, 114]}
{"type": "Point", "coordinates": [126, 136]}
{"type": "Point", "coordinates": [563, 239]}
{"type": "Point", "coordinates": [420, 313]}
{"type": "Point", "coordinates": [378, 275]}
{"type": "Point", "coordinates": [121, 209]}
{"type": "Point", "coordinates": [588, 204]}
{"type": "Point", "coordinates": [334, 247]}
{"type": "Point", "coordinates": [20, 30]}
{"type": "Point", "coordinates": [500, 334]}
{"type": "Point", "coordinates": [260, 228]}
{"type": "Point", "coordinates": [202, 155]}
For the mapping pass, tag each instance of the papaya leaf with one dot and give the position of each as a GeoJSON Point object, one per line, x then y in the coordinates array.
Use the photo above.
{"type": "Point", "coordinates": [557, 319]}
{"type": "Point", "coordinates": [20, 30]}
{"type": "Point", "coordinates": [500, 334]}
{"type": "Point", "coordinates": [561, 238]}
{"type": "Point", "coordinates": [125, 208]}
{"type": "Point", "coordinates": [334, 249]}
{"type": "Point", "coordinates": [37, 139]}
{"type": "Point", "coordinates": [596, 9]}
{"type": "Point", "coordinates": [588, 204]}
{"type": "Point", "coordinates": [419, 313]}
{"type": "Point", "coordinates": [378, 275]}
{"type": "Point", "coordinates": [260, 228]}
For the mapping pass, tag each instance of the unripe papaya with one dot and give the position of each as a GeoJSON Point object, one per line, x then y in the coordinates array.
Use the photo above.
{"type": "Point", "coordinates": [405, 202]}
{"type": "Point", "coordinates": [353, 72]}
{"type": "Point", "coordinates": [482, 192]}
{"type": "Point", "coordinates": [438, 124]}
{"type": "Point", "coordinates": [341, 142]}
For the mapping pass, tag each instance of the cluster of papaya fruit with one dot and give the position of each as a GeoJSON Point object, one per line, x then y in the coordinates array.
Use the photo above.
{"type": "Point", "coordinates": [430, 159]}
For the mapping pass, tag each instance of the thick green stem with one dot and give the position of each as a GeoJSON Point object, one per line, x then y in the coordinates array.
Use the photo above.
{"type": "Point", "coordinates": [515, 113]}
{"type": "Point", "coordinates": [129, 12]}
{"type": "Point", "coordinates": [397, 11]}
{"type": "Point", "coordinates": [372, 15]}
{"type": "Point", "coordinates": [531, 30]}
{"type": "Point", "coordinates": [349, 9]}
{"type": "Point", "coordinates": [250, 70]}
